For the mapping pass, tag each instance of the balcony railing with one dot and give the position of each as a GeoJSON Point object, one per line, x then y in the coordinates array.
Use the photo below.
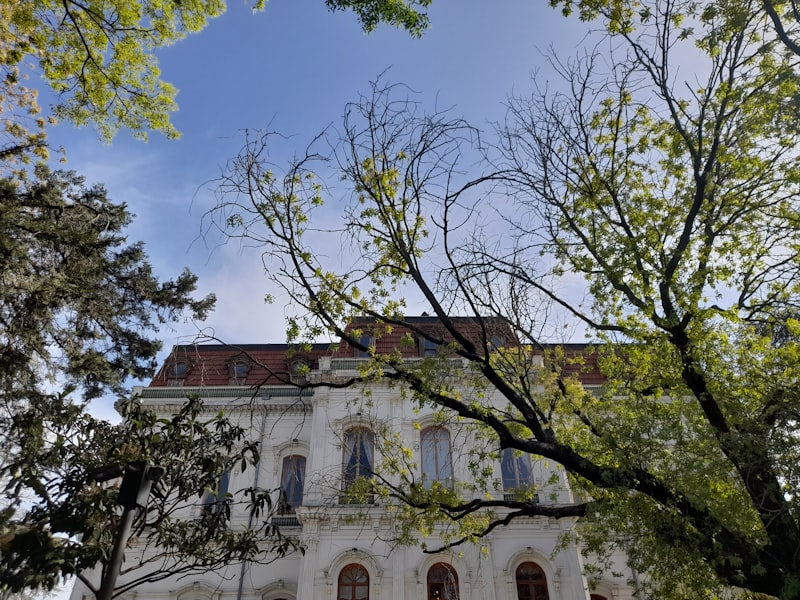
{"type": "Point", "coordinates": [517, 497]}
{"type": "Point", "coordinates": [354, 364]}
{"type": "Point", "coordinates": [286, 521]}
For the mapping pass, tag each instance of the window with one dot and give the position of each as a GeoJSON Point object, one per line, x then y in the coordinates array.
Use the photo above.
{"type": "Point", "coordinates": [359, 447]}
{"type": "Point", "coordinates": [496, 342]}
{"type": "Point", "coordinates": [366, 341]}
{"type": "Point", "coordinates": [176, 373]}
{"type": "Point", "coordinates": [442, 582]}
{"type": "Point", "coordinates": [353, 583]}
{"type": "Point", "coordinates": [531, 582]}
{"type": "Point", "coordinates": [437, 463]}
{"type": "Point", "coordinates": [292, 478]}
{"type": "Point", "coordinates": [597, 597]}
{"type": "Point", "coordinates": [516, 470]}
{"type": "Point", "coordinates": [429, 347]}
{"type": "Point", "coordinates": [298, 371]}
{"type": "Point", "coordinates": [238, 372]}
{"type": "Point", "coordinates": [216, 500]}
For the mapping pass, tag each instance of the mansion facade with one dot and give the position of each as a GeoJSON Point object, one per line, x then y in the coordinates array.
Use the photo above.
{"type": "Point", "coordinates": [316, 441]}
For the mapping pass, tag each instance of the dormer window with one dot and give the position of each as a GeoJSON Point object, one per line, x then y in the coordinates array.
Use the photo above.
{"type": "Point", "coordinates": [238, 372]}
{"type": "Point", "coordinates": [366, 341]}
{"type": "Point", "coordinates": [298, 371]}
{"type": "Point", "coordinates": [176, 373]}
{"type": "Point", "coordinates": [429, 347]}
{"type": "Point", "coordinates": [497, 342]}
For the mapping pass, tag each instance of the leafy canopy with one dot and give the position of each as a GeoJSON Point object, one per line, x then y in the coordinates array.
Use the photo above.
{"type": "Point", "coordinates": [98, 56]}
{"type": "Point", "coordinates": [80, 308]}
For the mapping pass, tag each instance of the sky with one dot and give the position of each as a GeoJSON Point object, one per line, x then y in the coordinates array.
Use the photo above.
{"type": "Point", "coordinates": [292, 68]}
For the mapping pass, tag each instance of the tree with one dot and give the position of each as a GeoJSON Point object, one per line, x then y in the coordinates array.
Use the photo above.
{"type": "Point", "coordinates": [77, 302]}
{"type": "Point", "coordinates": [669, 186]}
{"type": "Point", "coordinates": [27, 595]}
{"type": "Point", "coordinates": [406, 14]}
{"type": "Point", "coordinates": [98, 57]}
{"type": "Point", "coordinates": [79, 309]}
{"type": "Point", "coordinates": [71, 517]}
{"type": "Point", "coordinates": [785, 18]}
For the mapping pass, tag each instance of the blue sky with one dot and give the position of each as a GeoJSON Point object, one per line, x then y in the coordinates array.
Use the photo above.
{"type": "Point", "coordinates": [292, 68]}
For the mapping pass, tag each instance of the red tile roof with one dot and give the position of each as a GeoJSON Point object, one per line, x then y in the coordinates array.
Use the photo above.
{"type": "Point", "coordinates": [213, 364]}
{"type": "Point", "coordinates": [197, 365]}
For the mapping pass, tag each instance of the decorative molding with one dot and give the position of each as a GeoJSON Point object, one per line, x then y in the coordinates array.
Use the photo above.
{"type": "Point", "coordinates": [279, 589]}
{"type": "Point", "coordinates": [227, 391]}
{"type": "Point", "coordinates": [354, 556]}
{"type": "Point", "coordinates": [350, 421]}
{"type": "Point", "coordinates": [197, 590]}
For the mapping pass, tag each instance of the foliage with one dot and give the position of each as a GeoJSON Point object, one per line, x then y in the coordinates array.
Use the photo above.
{"type": "Point", "coordinates": [77, 301]}
{"type": "Point", "coordinates": [29, 595]}
{"type": "Point", "coordinates": [68, 524]}
{"type": "Point", "coordinates": [785, 18]}
{"type": "Point", "coordinates": [668, 198]}
{"type": "Point", "coordinates": [98, 57]}
{"type": "Point", "coordinates": [406, 14]}
{"type": "Point", "coordinates": [79, 308]}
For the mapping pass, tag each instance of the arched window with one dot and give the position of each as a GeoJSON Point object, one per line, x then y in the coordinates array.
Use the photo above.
{"type": "Point", "coordinates": [598, 597]}
{"type": "Point", "coordinates": [531, 582]}
{"type": "Point", "coordinates": [516, 470]}
{"type": "Point", "coordinates": [195, 591]}
{"type": "Point", "coordinates": [358, 455]}
{"type": "Point", "coordinates": [353, 583]}
{"type": "Point", "coordinates": [437, 462]}
{"type": "Point", "coordinates": [292, 479]}
{"type": "Point", "coordinates": [442, 582]}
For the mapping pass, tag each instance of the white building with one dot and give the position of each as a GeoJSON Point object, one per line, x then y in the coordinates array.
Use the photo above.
{"type": "Point", "coordinates": [314, 443]}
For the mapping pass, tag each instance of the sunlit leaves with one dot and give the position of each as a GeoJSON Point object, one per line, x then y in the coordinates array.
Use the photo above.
{"type": "Point", "coordinates": [678, 203]}
{"type": "Point", "coordinates": [98, 56]}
